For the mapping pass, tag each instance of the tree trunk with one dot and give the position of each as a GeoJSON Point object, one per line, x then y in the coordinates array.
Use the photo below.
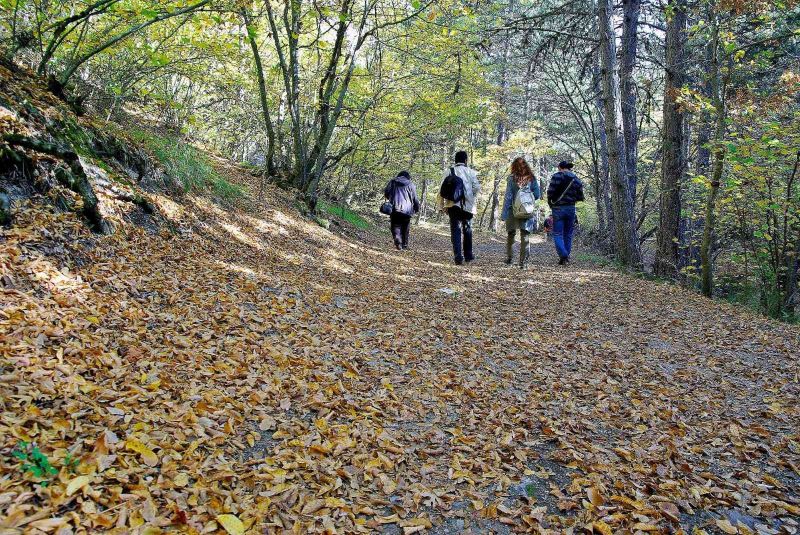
{"type": "Point", "coordinates": [630, 42]}
{"type": "Point", "coordinates": [625, 238]}
{"type": "Point", "coordinates": [422, 198]}
{"type": "Point", "coordinates": [693, 224]}
{"type": "Point", "coordinates": [604, 195]}
{"type": "Point", "coordinates": [710, 221]}
{"type": "Point", "coordinates": [493, 215]}
{"type": "Point", "coordinates": [718, 98]}
{"type": "Point", "coordinates": [791, 247]}
{"type": "Point", "coordinates": [262, 92]}
{"type": "Point", "coordinates": [673, 164]}
{"type": "Point", "coordinates": [288, 63]}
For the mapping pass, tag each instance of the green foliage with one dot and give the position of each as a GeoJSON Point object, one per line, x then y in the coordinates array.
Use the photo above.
{"type": "Point", "coordinates": [345, 213]}
{"type": "Point", "coordinates": [71, 463]}
{"type": "Point", "coordinates": [760, 205]}
{"type": "Point", "coordinates": [596, 259]}
{"type": "Point", "coordinates": [34, 461]}
{"type": "Point", "coordinates": [530, 490]}
{"type": "Point", "coordinates": [79, 137]}
{"type": "Point", "coordinates": [187, 164]}
{"type": "Point", "coordinates": [760, 298]}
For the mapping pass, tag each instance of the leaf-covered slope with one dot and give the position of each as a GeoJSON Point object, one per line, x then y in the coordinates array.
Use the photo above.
{"type": "Point", "coordinates": [80, 164]}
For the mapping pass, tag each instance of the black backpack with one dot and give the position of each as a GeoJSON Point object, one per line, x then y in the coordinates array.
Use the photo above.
{"type": "Point", "coordinates": [452, 188]}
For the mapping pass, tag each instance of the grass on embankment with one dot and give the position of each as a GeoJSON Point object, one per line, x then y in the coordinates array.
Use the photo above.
{"type": "Point", "coordinates": [344, 213]}
{"type": "Point", "coordinates": [187, 164]}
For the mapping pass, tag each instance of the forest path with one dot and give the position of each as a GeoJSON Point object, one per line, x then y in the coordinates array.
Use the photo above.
{"type": "Point", "coordinates": [257, 365]}
{"type": "Point", "coordinates": [636, 384]}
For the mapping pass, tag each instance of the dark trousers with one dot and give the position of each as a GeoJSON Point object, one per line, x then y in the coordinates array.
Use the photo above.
{"type": "Point", "coordinates": [461, 224]}
{"type": "Point", "coordinates": [401, 226]}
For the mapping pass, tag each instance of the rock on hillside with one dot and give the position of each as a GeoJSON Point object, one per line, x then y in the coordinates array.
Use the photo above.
{"type": "Point", "coordinates": [75, 163]}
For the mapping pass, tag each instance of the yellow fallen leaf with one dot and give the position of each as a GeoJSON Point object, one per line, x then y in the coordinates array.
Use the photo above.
{"type": "Point", "coordinates": [414, 522]}
{"type": "Point", "coordinates": [231, 524]}
{"type": "Point", "coordinates": [635, 504]}
{"type": "Point", "coordinates": [602, 527]}
{"type": "Point", "coordinates": [148, 456]}
{"type": "Point", "coordinates": [320, 448]}
{"type": "Point", "coordinates": [725, 525]}
{"type": "Point", "coordinates": [387, 519]}
{"type": "Point", "coordinates": [625, 454]}
{"type": "Point", "coordinates": [795, 510]}
{"type": "Point", "coordinates": [313, 506]}
{"type": "Point", "coordinates": [335, 502]}
{"type": "Point", "coordinates": [48, 524]}
{"type": "Point", "coordinates": [278, 489]}
{"type": "Point", "coordinates": [594, 496]}
{"type": "Point", "coordinates": [181, 480]}
{"type": "Point", "coordinates": [268, 423]}
{"type": "Point", "coordinates": [77, 484]}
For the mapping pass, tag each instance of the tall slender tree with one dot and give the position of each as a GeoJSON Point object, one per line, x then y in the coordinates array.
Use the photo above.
{"type": "Point", "coordinates": [719, 88]}
{"type": "Point", "coordinates": [262, 93]}
{"type": "Point", "coordinates": [631, 10]}
{"type": "Point", "coordinates": [673, 163]}
{"type": "Point", "coordinates": [625, 236]}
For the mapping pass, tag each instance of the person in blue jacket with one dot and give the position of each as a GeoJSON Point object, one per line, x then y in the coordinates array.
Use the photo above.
{"type": "Point", "coordinates": [402, 193]}
{"type": "Point", "coordinates": [521, 177]}
{"type": "Point", "coordinates": [564, 191]}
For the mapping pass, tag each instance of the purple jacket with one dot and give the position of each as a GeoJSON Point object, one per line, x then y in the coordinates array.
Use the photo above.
{"type": "Point", "coordinates": [402, 193]}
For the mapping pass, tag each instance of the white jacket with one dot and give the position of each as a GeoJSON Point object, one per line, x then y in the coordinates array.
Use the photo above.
{"type": "Point", "coordinates": [471, 188]}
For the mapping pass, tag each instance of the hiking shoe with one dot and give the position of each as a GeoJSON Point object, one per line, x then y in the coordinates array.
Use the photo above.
{"type": "Point", "coordinates": [507, 261]}
{"type": "Point", "coordinates": [562, 260]}
{"type": "Point", "coordinates": [459, 262]}
{"type": "Point", "coordinates": [398, 246]}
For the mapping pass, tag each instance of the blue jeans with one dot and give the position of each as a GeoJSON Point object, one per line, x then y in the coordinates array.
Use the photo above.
{"type": "Point", "coordinates": [563, 227]}
{"type": "Point", "coordinates": [461, 224]}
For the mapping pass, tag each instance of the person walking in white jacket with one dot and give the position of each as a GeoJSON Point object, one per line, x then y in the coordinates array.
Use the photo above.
{"type": "Point", "coordinates": [461, 213]}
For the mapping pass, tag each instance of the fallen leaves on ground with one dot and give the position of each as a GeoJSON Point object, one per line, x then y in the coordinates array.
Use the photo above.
{"type": "Point", "coordinates": [251, 372]}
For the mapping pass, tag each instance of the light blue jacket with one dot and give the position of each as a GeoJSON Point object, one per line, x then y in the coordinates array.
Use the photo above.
{"type": "Point", "coordinates": [508, 202]}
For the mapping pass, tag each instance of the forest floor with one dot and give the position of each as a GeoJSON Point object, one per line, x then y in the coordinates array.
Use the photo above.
{"type": "Point", "coordinates": [248, 370]}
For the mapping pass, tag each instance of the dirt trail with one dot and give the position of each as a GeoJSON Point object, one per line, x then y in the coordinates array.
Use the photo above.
{"type": "Point", "coordinates": [302, 380]}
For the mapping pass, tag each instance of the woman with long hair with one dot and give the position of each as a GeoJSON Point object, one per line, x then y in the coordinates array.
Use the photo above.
{"type": "Point", "coordinates": [519, 208]}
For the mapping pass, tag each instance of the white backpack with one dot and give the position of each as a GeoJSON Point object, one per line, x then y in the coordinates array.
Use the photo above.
{"type": "Point", "coordinates": [525, 203]}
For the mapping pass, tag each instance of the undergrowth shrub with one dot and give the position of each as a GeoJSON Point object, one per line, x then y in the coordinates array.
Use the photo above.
{"type": "Point", "coordinates": [345, 213]}
{"type": "Point", "coordinates": [187, 164]}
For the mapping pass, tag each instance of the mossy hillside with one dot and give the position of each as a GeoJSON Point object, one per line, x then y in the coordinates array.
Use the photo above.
{"type": "Point", "coordinates": [187, 164]}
